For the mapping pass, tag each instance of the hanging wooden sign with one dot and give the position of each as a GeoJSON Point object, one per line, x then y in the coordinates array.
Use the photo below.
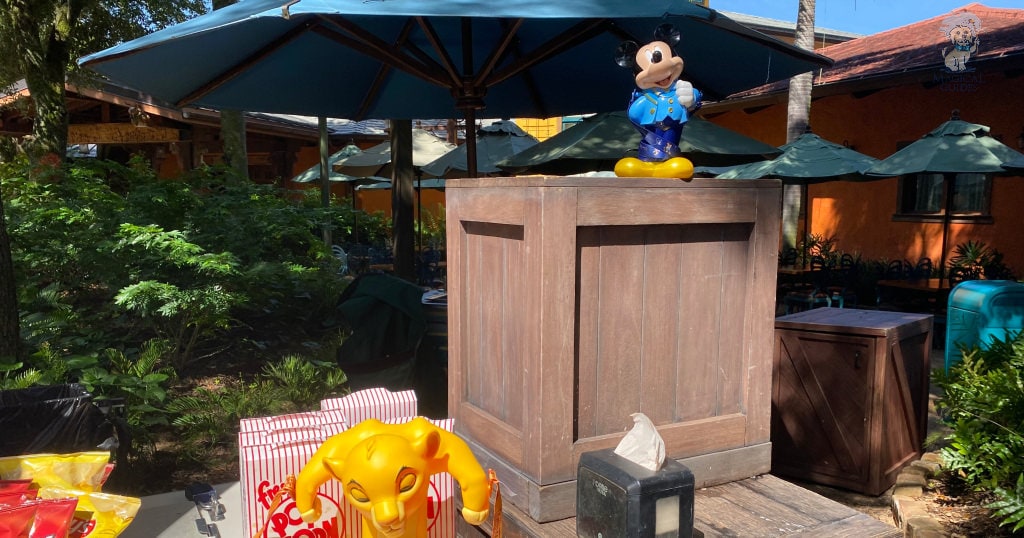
{"type": "Point", "coordinates": [120, 133]}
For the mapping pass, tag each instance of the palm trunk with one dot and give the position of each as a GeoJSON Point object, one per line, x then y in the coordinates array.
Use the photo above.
{"type": "Point", "coordinates": [797, 122]}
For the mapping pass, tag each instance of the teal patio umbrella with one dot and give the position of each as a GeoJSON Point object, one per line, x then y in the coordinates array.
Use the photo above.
{"type": "Point", "coordinates": [405, 59]}
{"type": "Point", "coordinates": [414, 59]}
{"type": "Point", "coordinates": [808, 159]}
{"type": "Point", "coordinates": [954, 147]}
{"type": "Point", "coordinates": [494, 143]}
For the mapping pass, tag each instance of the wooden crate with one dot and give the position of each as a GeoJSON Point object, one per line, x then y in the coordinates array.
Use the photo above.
{"type": "Point", "coordinates": [574, 302]}
{"type": "Point", "coordinates": [850, 398]}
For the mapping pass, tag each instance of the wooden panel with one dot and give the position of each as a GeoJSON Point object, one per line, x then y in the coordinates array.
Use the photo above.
{"type": "Point", "coordinates": [758, 336]}
{"type": "Point", "coordinates": [813, 435]}
{"type": "Point", "coordinates": [639, 206]}
{"type": "Point", "coordinates": [659, 371]}
{"type": "Point", "coordinates": [620, 306]}
{"type": "Point", "coordinates": [552, 368]}
{"type": "Point", "coordinates": [498, 206]}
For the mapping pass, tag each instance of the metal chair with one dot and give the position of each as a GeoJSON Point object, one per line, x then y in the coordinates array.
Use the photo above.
{"type": "Point", "coordinates": [342, 257]}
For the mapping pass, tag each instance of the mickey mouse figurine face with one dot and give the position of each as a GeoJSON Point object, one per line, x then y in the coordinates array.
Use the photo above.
{"type": "Point", "coordinates": [659, 108]}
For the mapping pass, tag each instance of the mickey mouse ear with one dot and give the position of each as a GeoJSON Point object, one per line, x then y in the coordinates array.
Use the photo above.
{"type": "Point", "coordinates": [625, 55]}
{"type": "Point", "coordinates": [668, 33]}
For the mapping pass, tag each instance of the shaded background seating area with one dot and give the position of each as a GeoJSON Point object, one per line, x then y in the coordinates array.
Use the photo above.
{"type": "Point", "coordinates": [825, 282]}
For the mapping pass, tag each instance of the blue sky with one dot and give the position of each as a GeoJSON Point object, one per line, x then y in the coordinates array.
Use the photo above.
{"type": "Point", "coordinates": [858, 16]}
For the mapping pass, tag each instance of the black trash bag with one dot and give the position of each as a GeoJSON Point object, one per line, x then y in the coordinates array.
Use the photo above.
{"type": "Point", "coordinates": [386, 317]}
{"type": "Point", "coordinates": [59, 419]}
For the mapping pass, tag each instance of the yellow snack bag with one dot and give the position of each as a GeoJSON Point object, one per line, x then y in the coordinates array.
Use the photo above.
{"type": "Point", "coordinates": [84, 471]}
{"type": "Point", "coordinates": [99, 515]}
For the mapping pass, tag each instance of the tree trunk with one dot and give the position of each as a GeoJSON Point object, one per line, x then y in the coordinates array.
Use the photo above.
{"type": "Point", "coordinates": [45, 83]}
{"type": "Point", "coordinates": [797, 121]}
{"type": "Point", "coordinates": [232, 135]}
{"type": "Point", "coordinates": [232, 128]}
{"type": "Point", "coordinates": [10, 330]}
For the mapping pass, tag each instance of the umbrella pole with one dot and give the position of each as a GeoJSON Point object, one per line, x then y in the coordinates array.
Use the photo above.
{"type": "Point", "coordinates": [419, 212]}
{"type": "Point", "coordinates": [470, 114]}
{"type": "Point", "coordinates": [325, 183]}
{"type": "Point", "coordinates": [949, 179]}
{"type": "Point", "coordinates": [402, 198]}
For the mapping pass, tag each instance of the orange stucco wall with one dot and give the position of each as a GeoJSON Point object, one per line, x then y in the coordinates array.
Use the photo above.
{"type": "Point", "coordinates": [859, 214]}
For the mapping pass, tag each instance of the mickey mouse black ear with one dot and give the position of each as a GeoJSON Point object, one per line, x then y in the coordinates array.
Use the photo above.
{"type": "Point", "coordinates": [625, 55]}
{"type": "Point", "coordinates": [668, 33]}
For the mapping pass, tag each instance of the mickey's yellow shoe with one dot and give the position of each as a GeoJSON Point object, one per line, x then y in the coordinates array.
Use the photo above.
{"type": "Point", "coordinates": [674, 168]}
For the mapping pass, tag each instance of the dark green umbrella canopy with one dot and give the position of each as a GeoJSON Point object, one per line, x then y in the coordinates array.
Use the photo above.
{"type": "Point", "coordinates": [955, 147]}
{"type": "Point", "coordinates": [598, 141]}
{"type": "Point", "coordinates": [808, 159]}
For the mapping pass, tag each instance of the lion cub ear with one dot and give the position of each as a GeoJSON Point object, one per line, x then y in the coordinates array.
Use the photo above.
{"type": "Point", "coordinates": [334, 466]}
{"type": "Point", "coordinates": [428, 444]}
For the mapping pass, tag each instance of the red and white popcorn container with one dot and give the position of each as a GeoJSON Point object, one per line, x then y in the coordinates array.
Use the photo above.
{"type": "Point", "coordinates": [379, 403]}
{"type": "Point", "coordinates": [291, 421]}
{"type": "Point", "coordinates": [272, 448]}
{"type": "Point", "coordinates": [264, 472]}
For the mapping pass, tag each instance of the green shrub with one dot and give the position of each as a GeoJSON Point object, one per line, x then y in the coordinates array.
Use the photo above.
{"type": "Point", "coordinates": [126, 282]}
{"type": "Point", "coordinates": [208, 418]}
{"type": "Point", "coordinates": [984, 405]}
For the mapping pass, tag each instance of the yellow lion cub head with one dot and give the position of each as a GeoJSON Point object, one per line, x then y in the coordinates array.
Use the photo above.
{"type": "Point", "coordinates": [386, 477]}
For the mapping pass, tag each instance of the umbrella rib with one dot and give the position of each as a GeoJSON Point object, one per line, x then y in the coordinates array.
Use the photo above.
{"type": "Point", "coordinates": [498, 52]}
{"type": "Point", "coordinates": [238, 68]}
{"type": "Point", "coordinates": [382, 73]}
{"type": "Point", "coordinates": [579, 33]}
{"type": "Point", "coordinates": [435, 41]}
{"type": "Point", "coordinates": [379, 50]}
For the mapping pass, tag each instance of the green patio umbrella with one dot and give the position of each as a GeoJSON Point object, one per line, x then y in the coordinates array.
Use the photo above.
{"type": "Point", "coordinates": [1015, 166]}
{"type": "Point", "coordinates": [955, 147]}
{"type": "Point", "coordinates": [494, 143]}
{"type": "Point", "coordinates": [598, 141]}
{"type": "Point", "coordinates": [312, 173]}
{"type": "Point", "coordinates": [808, 159]}
{"type": "Point", "coordinates": [432, 183]}
{"type": "Point", "coordinates": [376, 161]}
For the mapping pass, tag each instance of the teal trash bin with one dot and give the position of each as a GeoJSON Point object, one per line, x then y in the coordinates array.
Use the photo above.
{"type": "Point", "coordinates": [980, 311]}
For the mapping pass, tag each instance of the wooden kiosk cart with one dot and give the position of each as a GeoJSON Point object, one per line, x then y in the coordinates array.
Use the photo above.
{"type": "Point", "coordinates": [576, 301]}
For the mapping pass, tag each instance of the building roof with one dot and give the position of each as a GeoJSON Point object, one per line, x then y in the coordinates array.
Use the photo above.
{"type": "Point", "coordinates": [916, 48]}
{"type": "Point", "coordinates": [763, 24]}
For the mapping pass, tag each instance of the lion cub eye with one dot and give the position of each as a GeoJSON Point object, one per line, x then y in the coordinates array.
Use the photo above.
{"type": "Point", "coordinates": [358, 494]}
{"type": "Point", "coordinates": [407, 480]}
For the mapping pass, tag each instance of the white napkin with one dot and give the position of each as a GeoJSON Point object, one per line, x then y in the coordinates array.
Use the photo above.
{"type": "Point", "coordinates": [643, 444]}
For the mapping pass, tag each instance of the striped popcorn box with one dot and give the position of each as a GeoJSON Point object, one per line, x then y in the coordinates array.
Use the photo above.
{"type": "Point", "coordinates": [441, 507]}
{"type": "Point", "coordinates": [379, 403]}
{"type": "Point", "coordinates": [291, 421]}
{"type": "Point", "coordinates": [263, 473]}
{"type": "Point", "coordinates": [316, 432]}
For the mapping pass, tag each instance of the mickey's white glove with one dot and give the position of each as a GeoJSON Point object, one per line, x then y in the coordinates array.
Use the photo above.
{"type": "Point", "coordinates": [685, 93]}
